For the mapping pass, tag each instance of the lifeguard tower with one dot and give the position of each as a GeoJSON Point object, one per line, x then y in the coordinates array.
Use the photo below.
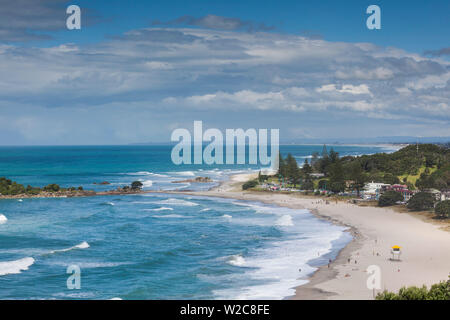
{"type": "Point", "coordinates": [396, 253]}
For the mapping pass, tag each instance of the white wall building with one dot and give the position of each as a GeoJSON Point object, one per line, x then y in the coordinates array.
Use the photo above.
{"type": "Point", "coordinates": [372, 190]}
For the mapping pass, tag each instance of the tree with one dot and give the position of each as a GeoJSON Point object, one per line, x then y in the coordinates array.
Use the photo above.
{"type": "Point", "coordinates": [323, 184]}
{"type": "Point", "coordinates": [282, 169]}
{"type": "Point", "coordinates": [306, 171]}
{"type": "Point", "coordinates": [334, 156]}
{"type": "Point", "coordinates": [249, 184]}
{"type": "Point", "coordinates": [337, 180]}
{"type": "Point", "coordinates": [136, 185]}
{"type": "Point", "coordinates": [314, 158]}
{"type": "Point", "coordinates": [389, 178]}
{"type": "Point", "coordinates": [421, 201]}
{"type": "Point", "coordinates": [307, 185]}
{"type": "Point", "coordinates": [324, 152]}
{"type": "Point", "coordinates": [52, 188]}
{"type": "Point", "coordinates": [293, 172]}
{"type": "Point", "coordinates": [358, 177]}
{"type": "Point", "coordinates": [389, 198]}
{"type": "Point", "coordinates": [442, 209]}
{"type": "Point", "coordinates": [324, 161]}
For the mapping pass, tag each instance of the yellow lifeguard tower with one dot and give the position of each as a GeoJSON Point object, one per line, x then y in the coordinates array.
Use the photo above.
{"type": "Point", "coordinates": [396, 252]}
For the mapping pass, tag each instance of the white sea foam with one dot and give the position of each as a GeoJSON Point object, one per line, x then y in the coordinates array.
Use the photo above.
{"type": "Point", "coordinates": [182, 186]}
{"type": "Point", "coordinates": [178, 202]}
{"type": "Point", "coordinates": [16, 266]}
{"type": "Point", "coordinates": [205, 209]}
{"type": "Point", "coordinates": [146, 183]}
{"type": "Point", "coordinates": [82, 245]}
{"type": "Point", "coordinates": [3, 219]}
{"type": "Point", "coordinates": [276, 269]}
{"type": "Point", "coordinates": [89, 265]}
{"type": "Point", "coordinates": [184, 173]}
{"type": "Point", "coordinates": [173, 216]}
{"type": "Point", "coordinates": [20, 200]}
{"type": "Point", "coordinates": [116, 298]}
{"type": "Point", "coordinates": [285, 221]}
{"type": "Point", "coordinates": [227, 216]}
{"type": "Point", "coordinates": [160, 209]}
{"type": "Point", "coordinates": [236, 260]}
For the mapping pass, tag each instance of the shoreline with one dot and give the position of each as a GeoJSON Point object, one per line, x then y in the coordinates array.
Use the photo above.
{"type": "Point", "coordinates": [425, 261]}
{"type": "Point", "coordinates": [374, 230]}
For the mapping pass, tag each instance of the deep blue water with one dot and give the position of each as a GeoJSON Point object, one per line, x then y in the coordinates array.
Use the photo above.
{"type": "Point", "coordinates": [151, 246]}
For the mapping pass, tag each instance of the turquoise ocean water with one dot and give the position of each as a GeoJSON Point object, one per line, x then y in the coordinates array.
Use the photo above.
{"type": "Point", "coordinates": [152, 246]}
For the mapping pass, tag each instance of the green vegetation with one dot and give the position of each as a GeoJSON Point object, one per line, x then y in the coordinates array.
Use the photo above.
{"type": "Point", "coordinates": [389, 198]}
{"type": "Point", "coordinates": [423, 166]}
{"type": "Point", "coordinates": [291, 174]}
{"type": "Point", "coordinates": [262, 177]}
{"type": "Point", "coordinates": [52, 188]}
{"type": "Point", "coordinates": [136, 185]}
{"type": "Point", "coordinates": [11, 188]}
{"type": "Point", "coordinates": [440, 291]}
{"type": "Point", "coordinates": [421, 201]}
{"type": "Point", "coordinates": [8, 187]}
{"type": "Point", "coordinates": [442, 209]}
{"type": "Point", "coordinates": [249, 184]}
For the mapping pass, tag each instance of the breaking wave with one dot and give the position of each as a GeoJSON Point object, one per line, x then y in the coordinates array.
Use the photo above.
{"type": "Point", "coordinates": [16, 266]}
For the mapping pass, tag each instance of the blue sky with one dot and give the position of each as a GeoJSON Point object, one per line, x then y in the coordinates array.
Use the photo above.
{"type": "Point", "coordinates": [137, 71]}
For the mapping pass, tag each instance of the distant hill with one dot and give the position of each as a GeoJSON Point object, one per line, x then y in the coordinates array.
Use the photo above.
{"type": "Point", "coordinates": [375, 140]}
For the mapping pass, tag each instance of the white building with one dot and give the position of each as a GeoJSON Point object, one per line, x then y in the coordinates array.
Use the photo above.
{"type": "Point", "coordinates": [372, 190]}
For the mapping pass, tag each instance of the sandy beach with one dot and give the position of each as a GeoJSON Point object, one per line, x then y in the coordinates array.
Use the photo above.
{"type": "Point", "coordinates": [425, 246]}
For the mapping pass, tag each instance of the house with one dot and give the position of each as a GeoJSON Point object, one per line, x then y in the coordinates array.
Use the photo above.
{"type": "Point", "coordinates": [401, 188]}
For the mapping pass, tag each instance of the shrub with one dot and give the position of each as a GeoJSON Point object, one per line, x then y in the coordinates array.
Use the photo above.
{"type": "Point", "coordinates": [389, 198]}
{"type": "Point", "coordinates": [249, 184]}
{"type": "Point", "coordinates": [442, 209]}
{"type": "Point", "coordinates": [421, 201]}
{"type": "Point", "coordinates": [136, 185]}
{"type": "Point", "coordinates": [440, 291]}
{"type": "Point", "coordinates": [52, 188]}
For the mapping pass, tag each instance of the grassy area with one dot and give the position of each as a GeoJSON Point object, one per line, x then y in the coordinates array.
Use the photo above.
{"type": "Point", "coordinates": [413, 178]}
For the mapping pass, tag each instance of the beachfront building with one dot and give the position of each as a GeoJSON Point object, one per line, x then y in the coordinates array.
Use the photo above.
{"type": "Point", "coordinates": [401, 188]}
{"type": "Point", "coordinates": [373, 190]}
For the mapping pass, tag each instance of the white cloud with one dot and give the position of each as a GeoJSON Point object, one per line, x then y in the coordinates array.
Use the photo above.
{"type": "Point", "coordinates": [158, 71]}
{"type": "Point", "coordinates": [346, 88]}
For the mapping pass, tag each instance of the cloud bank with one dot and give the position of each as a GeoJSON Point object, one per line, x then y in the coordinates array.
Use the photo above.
{"type": "Point", "coordinates": [137, 86]}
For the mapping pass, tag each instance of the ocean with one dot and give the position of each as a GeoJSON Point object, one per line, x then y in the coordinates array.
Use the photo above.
{"type": "Point", "coordinates": [153, 246]}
